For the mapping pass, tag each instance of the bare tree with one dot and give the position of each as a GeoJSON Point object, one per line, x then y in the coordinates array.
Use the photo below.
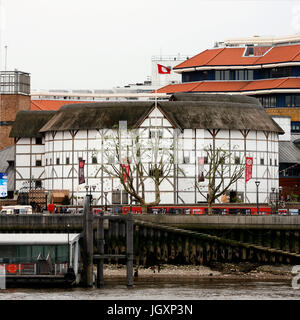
{"type": "Point", "coordinates": [135, 158]}
{"type": "Point", "coordinates": [221, 174]}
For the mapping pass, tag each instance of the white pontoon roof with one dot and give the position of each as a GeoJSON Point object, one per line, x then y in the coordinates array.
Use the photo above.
{"type": "Point", "coordinates": [37, 238]}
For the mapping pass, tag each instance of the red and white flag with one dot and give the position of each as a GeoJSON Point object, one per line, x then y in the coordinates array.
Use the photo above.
{"type": "Point", "coordinates": [248, 168]}
{"type": "Point", "coordinates": [163, 69]}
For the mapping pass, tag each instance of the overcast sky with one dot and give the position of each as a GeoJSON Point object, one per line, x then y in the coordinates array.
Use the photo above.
{"type": "Point", "coordinates": [97, 44]}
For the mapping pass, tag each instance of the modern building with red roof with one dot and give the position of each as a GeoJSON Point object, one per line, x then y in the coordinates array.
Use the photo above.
{"type": "Point", "coordinates": [50, 105]}
{"type": "Point", "coordinates": [264, 68]}
{"type": "Point", "coordinates": [268, 69]}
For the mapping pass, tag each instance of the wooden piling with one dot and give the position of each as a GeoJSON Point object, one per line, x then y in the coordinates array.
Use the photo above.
{"type": "Point", "coordinates": [296, 241]}
{"type": "Point", "coordinates": [129, 249]}
{"type": "Point", "coordinates": [88, 244]}
{"type": "Point", "coordinates": [100, 247]}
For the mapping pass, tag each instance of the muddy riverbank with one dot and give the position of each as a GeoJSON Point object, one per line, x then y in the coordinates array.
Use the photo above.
{"type": "Point", "coordinates": [230, 271]}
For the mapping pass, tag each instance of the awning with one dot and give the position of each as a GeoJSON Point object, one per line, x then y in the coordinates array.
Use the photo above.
{"type": "Point", "coordinates": [37, 238]}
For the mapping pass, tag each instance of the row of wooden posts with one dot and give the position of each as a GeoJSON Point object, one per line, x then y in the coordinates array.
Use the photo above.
{"type": "Point", "coordinates": [88, 247]}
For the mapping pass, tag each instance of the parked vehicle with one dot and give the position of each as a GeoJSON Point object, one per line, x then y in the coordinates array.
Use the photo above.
{"type": "Point", "coordinates": [16, 210]}
{"type": "Point", "coordinates": [200, 210]}
{"type": "Point", "coordinates": [294, 212]}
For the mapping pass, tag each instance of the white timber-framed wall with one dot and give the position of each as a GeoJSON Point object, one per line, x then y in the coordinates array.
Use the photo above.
{"type": "Point", "coordinates": [30, 162]}
{"type": "Point", "coordinates": [61, 150]}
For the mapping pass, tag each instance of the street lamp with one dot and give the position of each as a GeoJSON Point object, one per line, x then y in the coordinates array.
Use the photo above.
{"type": "Point", "coordinates": [89, 194]}
{"type": "Point", "coordinates": [130, 204]}
{"type": "Point", "coordinates": [273, 200]}
{"type": "Point", "coordinates": [257, 185]}
{"type": "Point", "coordinates": [105, 194]}
{"type": "Point", "coordinates": [280, 191]}
{"type": "Point", "coordinates": [276, 193]}
{"type": "Point", "coordinates": [68, 264]}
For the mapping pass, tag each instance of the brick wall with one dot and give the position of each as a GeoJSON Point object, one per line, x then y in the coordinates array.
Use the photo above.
{"type": "Point", "coordinates": [10, 104]}
{"type": "Point", "coordinates": [294, 113]}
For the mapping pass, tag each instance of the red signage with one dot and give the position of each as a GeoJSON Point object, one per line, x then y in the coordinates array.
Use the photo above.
{"type": "Point", "coordinates": [51, 207]}
{"type": "Point", "coordinates": [12, 268]}
{"type": "Point", "coordinates": [125, 171]}
{"type": "Point", "coordinates": [248, 168]}
{"type": "Point", "coordinates": [81, 178]}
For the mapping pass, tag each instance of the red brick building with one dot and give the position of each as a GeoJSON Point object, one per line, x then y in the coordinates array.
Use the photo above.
{"type": "Point", "coordinates": [14, 96]}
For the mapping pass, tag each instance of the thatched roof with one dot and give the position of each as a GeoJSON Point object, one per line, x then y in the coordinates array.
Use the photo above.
{"type": "Point", "coordinates": [185, 111]}
{"type": "Point", "coordinates": [29, 123]}
{"type": "Point", "coordinates": [213, 97]}
{"type": "Point", "coordinates": [98, 115]}
{"type": "Point", "coordinates": [219, 111]}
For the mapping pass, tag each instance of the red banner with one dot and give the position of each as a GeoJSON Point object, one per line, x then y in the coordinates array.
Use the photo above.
{"type": "Point", "coordinates": [81, 172]}
{"type": "Point", "coordinates": [200, 169]}
{"type": "Point", "coordinates": [248, 168]}
{"type": "Point", "coordinates": [126, 172]}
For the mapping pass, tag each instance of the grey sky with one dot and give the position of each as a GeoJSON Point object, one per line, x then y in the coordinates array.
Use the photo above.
{"type": "Point", "coordinates": [94, 44]}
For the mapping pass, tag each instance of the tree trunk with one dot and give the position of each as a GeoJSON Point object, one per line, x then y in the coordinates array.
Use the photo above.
{"type": "Point", "coordinates": [144, 208]}
{"type": "Point", "coordinates": [209, 203]}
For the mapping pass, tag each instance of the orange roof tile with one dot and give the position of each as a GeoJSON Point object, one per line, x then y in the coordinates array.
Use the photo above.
{"type": "Point", "coordinates": [212, 86]}
{"type": "Point", "coordinates": [45, 105]}
{"type": "Point", "coordinates": [182, 87]}
{"type": "Point", "coordinates": [281, 54]}
{"type": "Point", "coordinates": [200, 59]}
{"type": "Point", "coordinates": [233, 86]}
{"type": "Point", "coordinates": [234, 57]}
{"type": "Point", "coordinates": [291, 83]}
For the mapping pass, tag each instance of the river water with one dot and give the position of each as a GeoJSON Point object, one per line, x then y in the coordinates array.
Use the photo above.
{"type": "Point", "coordinates": [206, 290]}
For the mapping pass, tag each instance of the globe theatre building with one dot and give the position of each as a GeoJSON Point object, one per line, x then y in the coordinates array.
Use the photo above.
{"type": "Point", "coordinates": [49, 145]}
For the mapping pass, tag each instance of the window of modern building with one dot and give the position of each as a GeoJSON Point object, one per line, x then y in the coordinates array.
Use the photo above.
{"type": "Point", "coordinates": [222, 75]}
{"type": "Point", "coordinates": [297, 101]}
{"type": "Point", "coordinates": [262, 161]}
{"type": "Point", "coordinates": [268, 101]}
{"type": "Point", "coordinates": [250, 74]}
{"type": "Point", "coordinates": [205, 160]}
{"type": "Point", "coordinates": [292, 100]}
{"type": "Point", "coordinates": [295, 127]}
{"type": "Point", "coordinates": [281, 72]}
{"type": "Point", "coordinates": [250, 51]}
{"type": "Point", "coordinates": [57, 161]}
{"type": "Point", "coordinates": [38, 163]}
{"type": "Point", "coordinates": [270, 161]}
{"type": "Point", "coordinates": [288, 101]}
{"type": "Point", "coordinates": [244, 75]}
{"type": "Point", "coordinates": [67, 160]}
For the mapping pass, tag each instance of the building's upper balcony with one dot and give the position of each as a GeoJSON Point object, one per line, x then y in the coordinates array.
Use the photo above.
{"type": "Point", "coordinates": [14, 82]}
